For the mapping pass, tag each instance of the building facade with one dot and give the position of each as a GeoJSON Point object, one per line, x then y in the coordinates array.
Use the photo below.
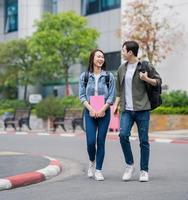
{"type": "Point", "coordinates": [17, 19]}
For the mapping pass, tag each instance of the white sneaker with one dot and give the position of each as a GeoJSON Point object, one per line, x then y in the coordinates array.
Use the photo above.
{"type": "Point", "coordinates": [144, 177]}
{"type": "Point", "coordinates": [128, 173]}
{"type": "Point", "coordinates": [99, 176]}
{"type": "Point", "coordinates": [91, 169]}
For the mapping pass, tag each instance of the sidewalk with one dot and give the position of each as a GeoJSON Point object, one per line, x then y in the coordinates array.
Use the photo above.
{"type": "Point", "coordinates": [18, 169]}
{"type": "Point", "coordinates": [170, 136]}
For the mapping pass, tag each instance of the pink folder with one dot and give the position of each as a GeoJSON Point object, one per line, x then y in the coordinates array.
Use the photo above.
{"type": "Point", "coordinates": [97, 102]}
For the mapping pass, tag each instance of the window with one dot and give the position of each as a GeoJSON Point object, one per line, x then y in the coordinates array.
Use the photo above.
{"type": "Point", "coordinates": [90, 6]}
{"type": "Point", "coordinates": [113, 60]}
{"type": "Point", "coordinates": [110, 4]}
{"type": "Point", "coordinates": [54, 6]}
{"type": "Point", "coordinates": [95, 6]}
{"type": "Point", "coordinates": [11, 15]}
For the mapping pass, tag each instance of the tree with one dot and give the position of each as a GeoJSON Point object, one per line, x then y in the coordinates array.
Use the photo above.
{"type": "Point", "coordinates": [144, 23]}
{"type": "Point", "coordinates": [61, 40]}
{"type": "Point", "coordinates": [16, 61]}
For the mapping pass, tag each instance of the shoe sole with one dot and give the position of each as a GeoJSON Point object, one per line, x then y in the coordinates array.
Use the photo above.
{"type": "Point", "coordinates": [99, 179]}
{"type": "Point", "coordinates": [143, 180]}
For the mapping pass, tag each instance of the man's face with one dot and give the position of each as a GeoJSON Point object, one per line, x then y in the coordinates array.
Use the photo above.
{"type": "Point", "coordinates": [126, 55]}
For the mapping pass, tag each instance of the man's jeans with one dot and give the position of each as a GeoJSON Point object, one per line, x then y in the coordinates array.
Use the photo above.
{"type": "Point", "coordinates": [142, 120]}
{"type": "Point", "coordinates": [93, 126]}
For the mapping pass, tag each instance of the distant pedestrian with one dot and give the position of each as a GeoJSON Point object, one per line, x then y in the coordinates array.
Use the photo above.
{"type": "Point", "coordinates": [96, 85]}
{"type": "Point", "coordinates": [135, 106]}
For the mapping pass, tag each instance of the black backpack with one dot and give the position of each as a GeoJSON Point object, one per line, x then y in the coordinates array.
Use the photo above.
{"type": "Point", "coordinates": [107, 79]}
{"type": "Point", "coordinates": [154, 92]}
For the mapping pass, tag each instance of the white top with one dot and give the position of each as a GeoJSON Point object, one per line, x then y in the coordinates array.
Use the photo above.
{"type": "Point", "coordinates": [128, 85]}
{"type": "Point", "coordinates": [96, 83]}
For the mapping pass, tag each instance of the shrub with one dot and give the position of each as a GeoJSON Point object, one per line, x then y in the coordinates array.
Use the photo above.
{"type": "Point", "coordinates": [72, 101]}
{"type": "Point", "coordinates": [176, 98]}
{"type": "Point", "coordinates": [52, 107]}
{"type": "Point", "coordinates": [7, 105]}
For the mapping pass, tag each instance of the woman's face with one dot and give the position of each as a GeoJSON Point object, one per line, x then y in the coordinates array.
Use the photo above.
{"type": "Point", "coordinates": [98, 59]}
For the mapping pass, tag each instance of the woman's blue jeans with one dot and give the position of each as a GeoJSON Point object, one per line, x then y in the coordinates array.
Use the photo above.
{"type": "Point", "coordinates": [96, 131]}
{"type": "Point", "coordinates": [126, 122]}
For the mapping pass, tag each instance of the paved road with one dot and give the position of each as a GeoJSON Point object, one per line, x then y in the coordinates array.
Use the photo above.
{"type": "Point", "coordinates": [168, 174]}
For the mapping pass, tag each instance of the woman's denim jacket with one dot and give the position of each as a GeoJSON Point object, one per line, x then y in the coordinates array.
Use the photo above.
{"type": "Point", "coordinates": [86, 91]}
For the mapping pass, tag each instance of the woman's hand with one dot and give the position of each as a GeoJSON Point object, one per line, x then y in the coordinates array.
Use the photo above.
{"type": "Point", "coordinates": [92, 113]}
{"type": "Point", "coordinates": [101, 113]}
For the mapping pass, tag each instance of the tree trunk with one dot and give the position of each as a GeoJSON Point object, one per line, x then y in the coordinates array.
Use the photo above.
{"type": "Point", "coordinates": [66, 80]}
{"type": "Point", "coordinates": [25, 92]}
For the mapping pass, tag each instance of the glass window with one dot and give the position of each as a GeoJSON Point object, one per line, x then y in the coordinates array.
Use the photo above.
{"type": "Point", "coordinates": [90, 6]}
{"type": "Point", "coordinates": [54, 6]}
{"type": "Point", "coordinates": [110, 4]}
{"type": "Point", "coordinates": [11, 15]}
{"type": "Point", "coordinates": [95, 6]}
{"type": "Point", "coordinates": [113, 60]}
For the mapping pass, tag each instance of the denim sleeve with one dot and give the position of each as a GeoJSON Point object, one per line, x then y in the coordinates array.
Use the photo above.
{"type": "Point", "coordinates": [111, 90]}
{"type": "Point", "coordinates": [82, 89]}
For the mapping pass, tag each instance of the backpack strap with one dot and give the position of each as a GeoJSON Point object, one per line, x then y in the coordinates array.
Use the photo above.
{"type": "Point", "coordinates": [86, 77]}
{"type": "Point", "coordinates": [107, 79]}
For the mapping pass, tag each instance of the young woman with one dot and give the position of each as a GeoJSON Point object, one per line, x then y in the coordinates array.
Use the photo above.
{"type": "Point", "coordinates": [97, 114]}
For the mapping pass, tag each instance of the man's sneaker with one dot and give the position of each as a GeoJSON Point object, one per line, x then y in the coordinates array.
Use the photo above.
{"type": "Point", "coordinates": [128, 173]}
{"type": "Point", "coordinates": [144, 177]}
{"type": "Point", "coordinates": [99, 176]}
{"type": "Point", "coordinates": [91, 169]}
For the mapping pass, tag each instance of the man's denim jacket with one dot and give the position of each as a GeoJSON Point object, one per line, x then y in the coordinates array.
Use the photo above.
{"type": "Point", "coordinates": [86, 91]}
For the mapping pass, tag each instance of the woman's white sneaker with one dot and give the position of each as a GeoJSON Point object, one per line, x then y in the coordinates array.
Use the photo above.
{"type": "Point", "coordinates": [91, 169]}
{"type": "Point", "coordinates": [99, 176]}
{"type": "Point", "coordinates": [144, 177]}
{"type": "Point", "coordinates": [128, 173]}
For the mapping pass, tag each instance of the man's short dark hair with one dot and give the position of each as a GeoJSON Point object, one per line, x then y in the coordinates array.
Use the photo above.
{"type": "Point", "coordinates": [131, 46]}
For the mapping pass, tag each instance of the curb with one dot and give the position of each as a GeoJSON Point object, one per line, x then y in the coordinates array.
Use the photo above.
{"type": "Point", "coordinates": [158, 140]}
{"type": "Point", "coordinates": [111, 136]}
{"type": "Point", "coordinates": [53, 169]}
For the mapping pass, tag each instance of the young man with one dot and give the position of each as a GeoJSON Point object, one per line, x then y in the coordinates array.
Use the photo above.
{"type": "Point", "coordinates": [132, 96]}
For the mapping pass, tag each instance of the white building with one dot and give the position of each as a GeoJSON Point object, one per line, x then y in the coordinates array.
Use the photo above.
{"type": "Point", "coordinates": [17, 19]}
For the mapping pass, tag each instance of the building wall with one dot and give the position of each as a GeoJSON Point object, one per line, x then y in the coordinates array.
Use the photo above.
{"type": "Point", "coordinates": [28, 12]}
{"type": "Point", "coordinates": [67, 5]}
{"type": "Point", "coordinates": [4, 36]}
{"type": "Point", "coordinates": [107, 23]}
{"type": "Point", "coordinates": [174, 69]}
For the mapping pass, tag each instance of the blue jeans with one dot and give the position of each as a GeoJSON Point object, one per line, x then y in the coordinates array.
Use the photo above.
{"type": "Point", "coordinates": [142, 121]}
{"type": "Point", "coordinates": [96, 131]}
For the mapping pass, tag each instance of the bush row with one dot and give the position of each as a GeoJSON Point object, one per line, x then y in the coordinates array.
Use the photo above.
{"type": "Point", "coordinates": [174, 102]}
{"type": "Point", "coordinates": [176, 98]}
{"type": "Point", "coordinates": [171, 110]}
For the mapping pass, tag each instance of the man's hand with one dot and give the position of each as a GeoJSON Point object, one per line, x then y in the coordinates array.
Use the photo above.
{"type": "Point", "coordinates": [116, 110]}
{"type": "Point", "coordinates": [144, 76]}
{"type": "Point", "coordinates": [116, 106]}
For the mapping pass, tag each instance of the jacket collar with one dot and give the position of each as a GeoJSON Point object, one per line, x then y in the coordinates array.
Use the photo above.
{"type": "Point", "coordinates": [124, 69]}
{"type": "Point", "coordinates": [103, 73]}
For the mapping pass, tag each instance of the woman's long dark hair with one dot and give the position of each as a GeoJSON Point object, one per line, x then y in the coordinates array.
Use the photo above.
{"type": "Point", "coordinates": [91, 58]}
